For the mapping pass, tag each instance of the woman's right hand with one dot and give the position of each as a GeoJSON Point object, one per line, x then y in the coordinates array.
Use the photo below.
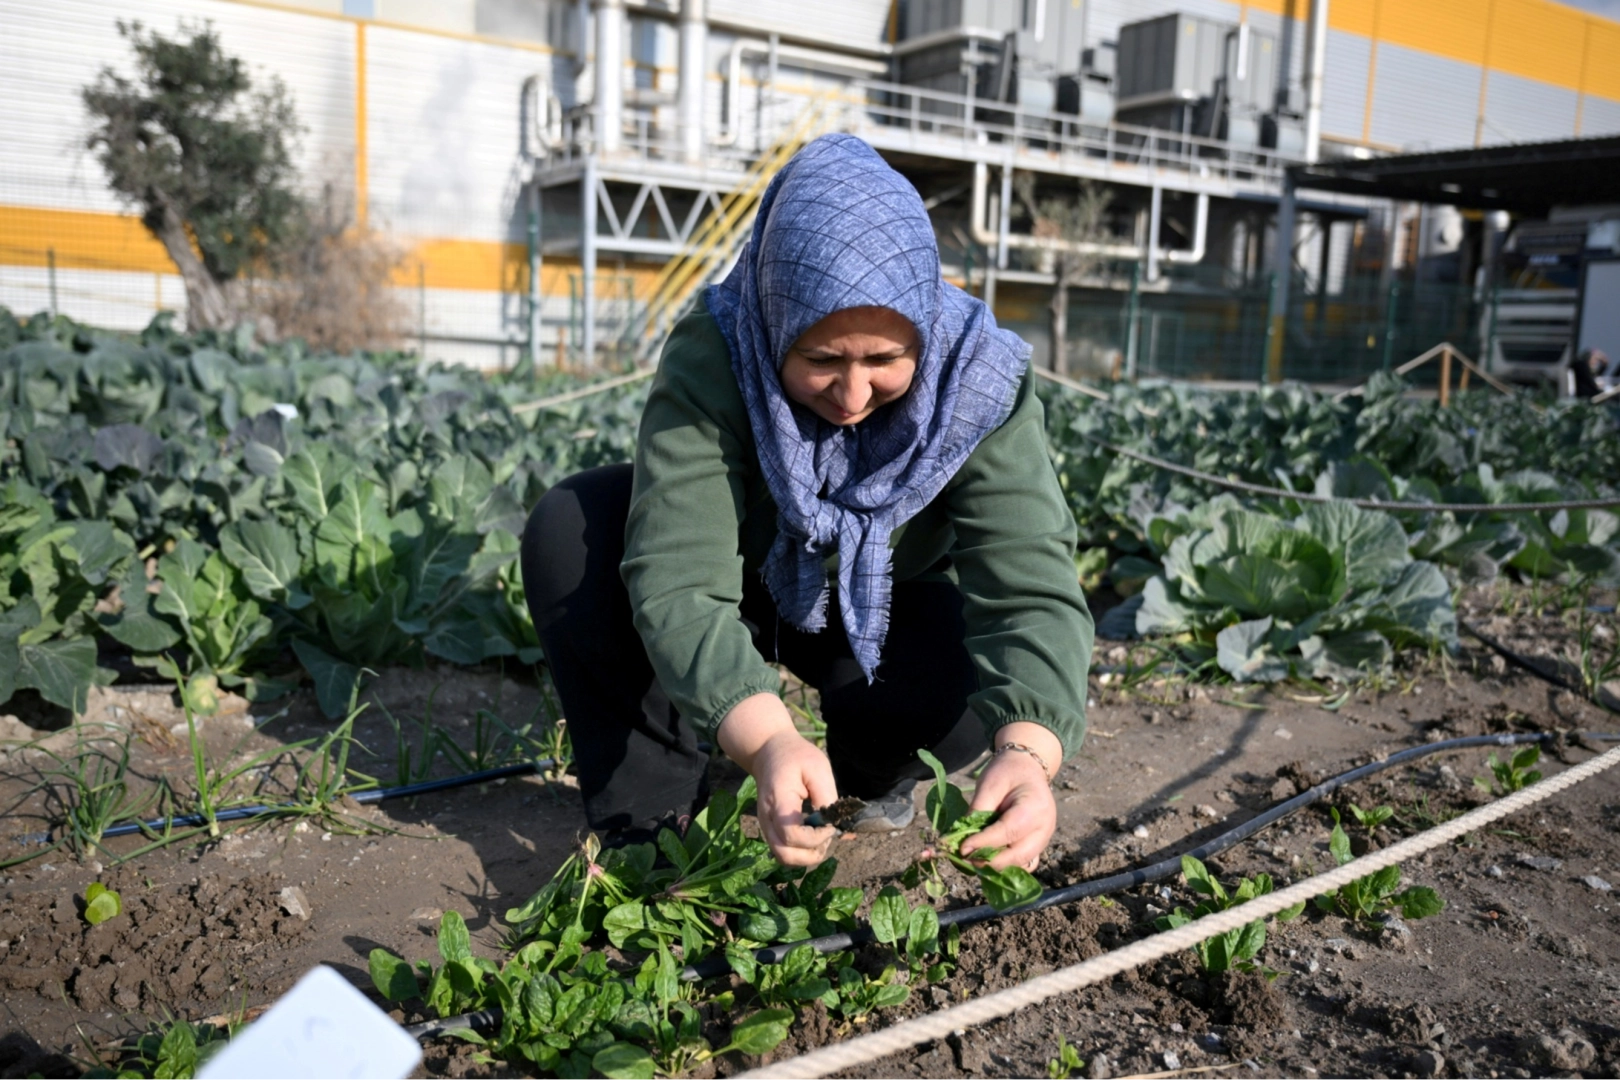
{"type": "Point", "coordinates": [759, 735]}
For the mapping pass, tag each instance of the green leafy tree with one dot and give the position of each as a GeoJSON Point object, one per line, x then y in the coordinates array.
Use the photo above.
{"type": "Point", "coordinates": [203, 155]}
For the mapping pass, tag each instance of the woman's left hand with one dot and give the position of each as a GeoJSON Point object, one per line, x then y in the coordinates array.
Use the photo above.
{"type": "Point", "coordinates": [1016, 786]}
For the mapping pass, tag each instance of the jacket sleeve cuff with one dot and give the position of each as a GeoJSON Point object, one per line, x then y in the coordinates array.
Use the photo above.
{"type": "Point", "coordinates": [1069, 736]}
{"type": "Point", "coordinates": [709, 726]}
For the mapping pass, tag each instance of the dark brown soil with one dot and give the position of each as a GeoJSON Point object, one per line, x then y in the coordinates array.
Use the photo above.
{"type": "Point", "coordinates": [1519, 976]}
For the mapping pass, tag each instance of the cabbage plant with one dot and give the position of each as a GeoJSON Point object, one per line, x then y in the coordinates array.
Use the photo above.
{"type": "Point", "coordinates": [1328, 594]}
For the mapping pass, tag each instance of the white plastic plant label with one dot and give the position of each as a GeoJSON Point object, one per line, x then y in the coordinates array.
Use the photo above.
{"type": "Point", "coordinates": [323, 1027]}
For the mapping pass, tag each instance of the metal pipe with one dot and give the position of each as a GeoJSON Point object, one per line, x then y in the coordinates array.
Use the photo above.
{"type": "Point", "coordinates": [694, 31]}
{"type": "Point", "coordinates": [583, 91]}
{"type": "Point", "coordinates": [534, 275]}
{"type": "Point", "coordinates": [1004, 219]}
{"type": "Point", "coordinates": [542, 117]}
{"type": "Point", "coordinates": [1315, 62]}
{"type": "Point", "coordinates": [991, 237]}
{"type": "Point", "coordinates": [609, 75]}
{"type": "Point", "coordinates": [1155, 215]}
{"type": "Point", "coordinates": [772, 65]}
{"type": "Point", "coordinates": [793, 56]}
{"type": "Point", "coordinates": [587, 264]}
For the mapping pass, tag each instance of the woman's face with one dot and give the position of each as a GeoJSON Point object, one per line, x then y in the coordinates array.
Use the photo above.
{"type": "Point", "coordinates": [851, 363]}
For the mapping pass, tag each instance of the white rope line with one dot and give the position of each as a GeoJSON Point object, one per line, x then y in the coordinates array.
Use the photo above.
{"type": "Point", "coordinates": [934, 1026]}
{"type": "Point", "coordinates": [585, 391]}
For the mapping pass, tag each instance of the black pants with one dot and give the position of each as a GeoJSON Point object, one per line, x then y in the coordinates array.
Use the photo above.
{"type": "Point", "coordinates": [636, 759]}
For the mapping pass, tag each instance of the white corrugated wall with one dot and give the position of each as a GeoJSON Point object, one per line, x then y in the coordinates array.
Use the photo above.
{"type": "Point", "coordinates": [50, 51]}
{"type": "Point", "coordinates": [1600, 116]}
{"type": "Point", "coordinates": [1523, 110]}
{"type": "Point", "coordinates": [1344, 86]}
{"type": "Point", "coordinates": [1423, 102]}
{"type": "Point", "coordinates": [443, 133]}
{"type": "Point", "coordinates": [856, 24]}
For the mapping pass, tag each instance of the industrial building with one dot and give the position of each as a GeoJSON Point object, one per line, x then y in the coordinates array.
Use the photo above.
{"type": "Point", "coordinates": [564, 174]}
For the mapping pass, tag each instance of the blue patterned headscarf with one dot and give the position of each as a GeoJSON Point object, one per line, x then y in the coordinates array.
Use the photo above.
{"type": "Point", "coordinates": [838, 228]}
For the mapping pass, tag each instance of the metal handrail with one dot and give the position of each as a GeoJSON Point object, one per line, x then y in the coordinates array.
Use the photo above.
{"type": "Point", "coordinates": [972, 123]}
{"type": "Point", "coordinates": [678, 278]}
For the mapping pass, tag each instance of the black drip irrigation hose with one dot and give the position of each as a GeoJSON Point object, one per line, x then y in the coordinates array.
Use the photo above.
{"type": "Point", "coordinates": [1159, 871]}
{"type": "Point", "coordinates": [1365, 504]}
{"type": "Point", "coordinates": [374, 795]}
{"type": "Point", "coordinates": [1520, 661]}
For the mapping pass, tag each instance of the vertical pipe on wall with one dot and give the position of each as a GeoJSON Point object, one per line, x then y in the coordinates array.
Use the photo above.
{"type": "Point", "coordinates": [534, 276]}
{"type": "Point", "coordinates": [609, 75]}
{"type": "Point", "coordinates": [694, 47]}
{"type": "Point", "coordinates": [773, 59]}
{"type": "Point", "coordinates": [587, 265]}
{"type": "Point", "coordinates": [1315, 63]}
{"type": "Point", "coordinates": [1004, 218]}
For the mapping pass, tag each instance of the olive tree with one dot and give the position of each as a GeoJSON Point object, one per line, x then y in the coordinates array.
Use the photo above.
{"type": "Point", "coordinates": [1073, 228]}
{"type": "Point", "coordinates": [203, 155]}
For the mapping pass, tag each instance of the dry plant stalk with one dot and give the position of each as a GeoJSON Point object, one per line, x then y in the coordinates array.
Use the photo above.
{"type": "Point", "coordinates": [332, 285]}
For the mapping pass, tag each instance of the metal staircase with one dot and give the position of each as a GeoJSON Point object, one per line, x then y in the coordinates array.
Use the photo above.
{"type": "Point", "coordinates": [715, 244]}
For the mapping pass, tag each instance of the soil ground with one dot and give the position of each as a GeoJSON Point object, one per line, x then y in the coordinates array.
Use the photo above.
{"type": "Point", "coordinates": [1519, 976]}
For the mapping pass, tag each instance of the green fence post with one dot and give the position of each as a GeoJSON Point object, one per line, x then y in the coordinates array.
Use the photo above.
{"type": "Point", "coordinates": [1389, 322]}
{"type": "Point", "coordinates": [1490, 331]}
{"type": "Point", "coordinates": [1133, 306]}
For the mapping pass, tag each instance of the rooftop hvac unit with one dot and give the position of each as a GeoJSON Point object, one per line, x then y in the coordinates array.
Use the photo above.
{"type": "Point", "coordinates": [1200, 77]}
{"type": "Point", "coordinates": [1174, 59]}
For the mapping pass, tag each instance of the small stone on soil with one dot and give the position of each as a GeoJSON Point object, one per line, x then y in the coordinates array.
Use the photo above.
{"type": "Point", "coordinates": [1172, 1060]}
{"type": "Point", "coordinates": [1207, 811]}
{"type": "Point", "coordinates": [426, 914]}
{"type": "Point", "coordinates": [1395, 934]}
{"type": "Point", "coordinates": [1541, 862]}
{"type": "Point", "coordinates": [1493, 871]}
{"type": "Point", "coordinates": [1567, 1050]}
{"type": "Point", "coordinates": [1140, 832]}
{"type": "Point", "coordinates": [295, 903]}
{"type": "Point", "coordinates": [1592, 881]}
{"type": "Point", "coordinates": [1428, 1063]}
{"type": "Point", "coordinates": [1098, 1068]}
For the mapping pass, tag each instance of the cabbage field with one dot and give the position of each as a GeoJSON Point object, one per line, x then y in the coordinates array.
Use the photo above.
{"type": "Point", "coordinates": [232, 516]}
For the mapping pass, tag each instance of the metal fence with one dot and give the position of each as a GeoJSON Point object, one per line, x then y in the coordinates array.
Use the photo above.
{"type": "Point", "coordinates": [1211, 333]}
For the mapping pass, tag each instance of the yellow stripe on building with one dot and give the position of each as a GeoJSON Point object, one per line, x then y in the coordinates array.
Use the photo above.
{"type": "Point", "coordinates": [1538, 41]}
{"type": "Point", "coordinates": [119, 243]}
{"type": "Point", "coordinates": [1602, 72]}
{"type": "Point", "coordinates": [1534, 39]}
{"type": "Point", "coordinates": [80, 240]}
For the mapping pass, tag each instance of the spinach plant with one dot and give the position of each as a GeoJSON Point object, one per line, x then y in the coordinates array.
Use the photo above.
{"type": "Point", "coordinates": [1068, 1062]}
{"type": "Point", "coordinates": [1514, 774]}
{"type": "Point", "coordinates": [953, 823]}
{"type": "Point", "coordinates": [1368, 897]}
{"type": "Point", "coordinates": [1233, 950]}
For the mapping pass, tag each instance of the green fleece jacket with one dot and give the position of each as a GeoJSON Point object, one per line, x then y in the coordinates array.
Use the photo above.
{"type": "Point", "coordinates": [701, 517]}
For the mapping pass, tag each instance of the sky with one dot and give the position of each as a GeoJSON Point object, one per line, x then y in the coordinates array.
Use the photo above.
{"type": "Point", "coordinates": [1609, 9]}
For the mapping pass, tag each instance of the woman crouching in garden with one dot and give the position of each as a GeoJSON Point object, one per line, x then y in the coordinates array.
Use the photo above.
{"type": "Point", "coordinates": [842, 469]}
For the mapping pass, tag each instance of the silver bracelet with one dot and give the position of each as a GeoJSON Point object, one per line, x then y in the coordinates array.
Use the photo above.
{"type": "Point", "coordinates": [1031, 751]}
